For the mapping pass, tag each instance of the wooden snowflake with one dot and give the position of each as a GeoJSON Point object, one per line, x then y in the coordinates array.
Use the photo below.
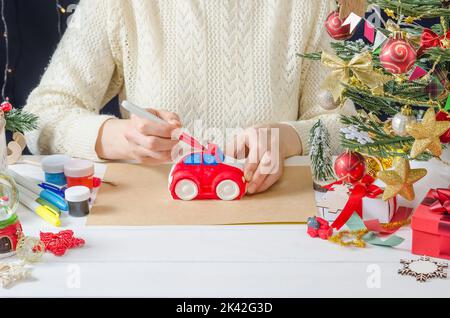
{"type": "Point", "coordinates": [423, 269]}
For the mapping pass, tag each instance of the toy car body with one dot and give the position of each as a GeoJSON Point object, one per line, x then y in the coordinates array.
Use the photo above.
{"type": "Point", "coordinates": [207, 175]}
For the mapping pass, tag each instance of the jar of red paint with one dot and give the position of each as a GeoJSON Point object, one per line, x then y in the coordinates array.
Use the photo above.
{"type": "Point", "coordinates": [79, 173]}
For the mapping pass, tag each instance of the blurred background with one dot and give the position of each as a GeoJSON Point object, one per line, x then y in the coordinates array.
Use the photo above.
{"type": "Point", "coordinates": [35, 28]}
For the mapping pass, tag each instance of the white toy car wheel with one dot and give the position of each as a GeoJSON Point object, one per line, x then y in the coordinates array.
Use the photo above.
{"type": "Point", "coordinates": [186, 190]}
{"type": "Point", "coordinates": [228, 190]}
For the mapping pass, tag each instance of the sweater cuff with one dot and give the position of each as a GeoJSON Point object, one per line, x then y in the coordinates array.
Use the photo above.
{"type": "Point", "coordinates": [302, 128]}
{"type": "Point", "coordinates": [83, 136]}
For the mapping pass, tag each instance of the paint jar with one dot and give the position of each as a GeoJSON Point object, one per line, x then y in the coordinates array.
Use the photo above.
{"type": "Point", "coordinates": [79, 173]}
{"type": "Point", "coordinates": [78, 199]}
{"type": "Point", "coordinates": [53, 167]}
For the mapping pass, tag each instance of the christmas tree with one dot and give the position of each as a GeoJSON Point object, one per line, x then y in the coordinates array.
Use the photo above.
{"type": "Point", "coordinates": [320, 153]}
{"type": "Point", "coordinates": [398, 75]}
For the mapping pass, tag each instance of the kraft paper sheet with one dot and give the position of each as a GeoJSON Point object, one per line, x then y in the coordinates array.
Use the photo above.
{"type": "Point", "coordinates": [141, 198]}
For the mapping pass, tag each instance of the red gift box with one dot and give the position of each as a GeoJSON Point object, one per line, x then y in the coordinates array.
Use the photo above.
{"type": "Point", "coordinates": [431, 225]}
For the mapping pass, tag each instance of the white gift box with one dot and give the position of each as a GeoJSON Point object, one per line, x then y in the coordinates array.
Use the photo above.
{"type": "Point", "coordinates": [331, 203]}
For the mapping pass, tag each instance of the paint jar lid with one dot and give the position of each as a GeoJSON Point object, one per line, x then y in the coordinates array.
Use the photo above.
{"type": "Point", "coordinates": [78, 168]}
{"type": "Point", "coordinates": [55, 163]}
{"type": "Point", "coordinates": [77, 194]}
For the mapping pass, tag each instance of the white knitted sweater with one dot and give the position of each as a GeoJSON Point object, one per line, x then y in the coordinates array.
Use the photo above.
{"type": "Point", "coordinates": [229, 63]}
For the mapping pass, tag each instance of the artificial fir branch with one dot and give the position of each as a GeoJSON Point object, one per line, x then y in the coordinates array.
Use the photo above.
{"type": "Point", "coordinates": [316, 56]}
{"type": "Point", "coordinates": [370, 102]}
{"type": "Point", "coordinates": [415, 8]}
{"type": "Point", "coordinates": [384, 145]}
{"type": "Point", "coordinates": [346, 50]}
{"type": "Point", "coordinates": [320, 152]}
{"type": "Point", "coordinates": [435, 53]}
{"type": "Point", "coordinates": [17, 120]}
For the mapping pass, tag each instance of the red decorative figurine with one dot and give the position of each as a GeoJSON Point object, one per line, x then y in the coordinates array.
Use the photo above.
{"type": "Point", "coordinates": [335, 28]}
{"type": "Point", "coordinates": [318, 227]}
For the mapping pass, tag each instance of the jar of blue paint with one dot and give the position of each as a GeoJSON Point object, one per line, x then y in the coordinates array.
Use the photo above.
{"type": "Point", "coordinates": [53, 167]}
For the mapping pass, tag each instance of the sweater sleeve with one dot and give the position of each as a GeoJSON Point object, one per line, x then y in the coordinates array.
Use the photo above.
{"type": "Point", "coordinates": [310, 108]}
{"type": "Point", "coordinates": [75, 87]}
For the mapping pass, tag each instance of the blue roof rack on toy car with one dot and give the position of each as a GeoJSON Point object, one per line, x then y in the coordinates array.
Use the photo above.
{"type": "Point", "coordinates": [198, 158]}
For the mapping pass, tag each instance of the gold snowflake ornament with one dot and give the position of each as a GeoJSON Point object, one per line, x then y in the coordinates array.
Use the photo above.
{"type": "Point", "coordinates": [423, 269]}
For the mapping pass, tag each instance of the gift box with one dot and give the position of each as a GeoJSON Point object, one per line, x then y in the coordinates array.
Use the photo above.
{"type": "Point", "coordinates": [331, 203]}
{"type": "Point", "coordinates": [431, 225]}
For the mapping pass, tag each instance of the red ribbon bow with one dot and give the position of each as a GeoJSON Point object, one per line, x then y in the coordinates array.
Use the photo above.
{"type": "Point", "coordinates": [430, 39]}
{"type": "Point", "coordinates": [441, 202]}
{"type": "Point", "coordinates": [360, 190]}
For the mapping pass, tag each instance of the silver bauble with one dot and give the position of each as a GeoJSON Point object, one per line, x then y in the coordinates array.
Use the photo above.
{"type": "Point", "coordinates": [326, 100]}
{"type": "Point", "coordinates": [400, 122]}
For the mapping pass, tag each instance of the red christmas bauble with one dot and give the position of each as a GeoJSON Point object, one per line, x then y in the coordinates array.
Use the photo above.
{"type": "Point", "coordinates": [398, 56]}
{"type": "Point", "coordinates": [442, 116]}
{"type": "Point", "coordinates": [6, 106]}
{"type": "Point", "coordinates": [335, 28]}
{"type": "Point", "coordinates": [350, 167]}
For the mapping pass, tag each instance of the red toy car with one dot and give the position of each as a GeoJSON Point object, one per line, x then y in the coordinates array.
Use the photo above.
{"type": "Point", "coordinates": [207, 175]}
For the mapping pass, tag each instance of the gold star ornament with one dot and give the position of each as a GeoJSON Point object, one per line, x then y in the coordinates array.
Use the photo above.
{"type": "Point", "coordinates": [400, 180]}
{"type": "Point", "coordinates": [427, 133]}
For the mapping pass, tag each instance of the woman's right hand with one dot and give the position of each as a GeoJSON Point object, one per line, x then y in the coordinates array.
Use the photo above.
{"type": "Point", "coordinates": [142, 140]}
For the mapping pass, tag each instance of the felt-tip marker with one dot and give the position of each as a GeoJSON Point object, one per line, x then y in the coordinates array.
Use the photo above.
{"type": "Point", "coordinates": [32, 186]}
{"type": "Point", "coordinates": [46, 212]}
{"type": "Point", "coordinates": [140, 112]}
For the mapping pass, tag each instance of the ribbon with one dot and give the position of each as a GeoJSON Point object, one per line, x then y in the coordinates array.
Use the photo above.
{"type": "Point", "coordinates": [355, 223]}
{"type": "Point", "coordinates": [365, 188]}
{"type": "Point", "coordinates": [438, 200]}
{"type": "Point", "coordinates": [360, 66]}
{"type": "Point", "coordinates": [431, 39]}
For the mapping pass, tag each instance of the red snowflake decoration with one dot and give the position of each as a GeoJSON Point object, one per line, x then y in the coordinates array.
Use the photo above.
{"type": "Point", "coordinates": [59, 243]}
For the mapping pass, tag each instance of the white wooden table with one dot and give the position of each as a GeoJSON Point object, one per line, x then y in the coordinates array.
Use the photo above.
{"type": "Point", "coordinates": [216, 261]}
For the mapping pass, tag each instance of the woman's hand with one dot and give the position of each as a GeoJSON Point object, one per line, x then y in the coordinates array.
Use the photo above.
{"type": "Point", "coordinates": [265, 148]}
{"type": "Point", "coordinates": [139, 139]}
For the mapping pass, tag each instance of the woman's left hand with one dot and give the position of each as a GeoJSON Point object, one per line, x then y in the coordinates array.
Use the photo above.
{"type": "Point", "coordinates": [265, 147]}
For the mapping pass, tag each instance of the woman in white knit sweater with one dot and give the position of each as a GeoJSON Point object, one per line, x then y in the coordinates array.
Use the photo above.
{"type": "Point", "coordinates": [228, 63]}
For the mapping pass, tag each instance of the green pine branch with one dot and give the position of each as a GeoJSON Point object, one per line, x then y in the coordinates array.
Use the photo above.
{"type": "Point", "coordinates": [415, 8]}
{"type": "Point", "coordinates": [437, 54]}
{"type": "Point", "coordinates": [371, 103]}
{"type": "Point", "coordinates": [17, 120]}
{"type": "Point", "coordinates": [384, 145]}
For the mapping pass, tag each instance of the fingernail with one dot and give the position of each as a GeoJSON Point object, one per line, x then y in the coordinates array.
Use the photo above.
{"type": "Point", "coordinates": [248, 175]}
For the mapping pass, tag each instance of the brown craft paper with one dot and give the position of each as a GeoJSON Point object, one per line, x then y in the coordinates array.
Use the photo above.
{"type": "Point", "coordinates": [358, 7]}
{"type": "Point", "coordinates": [141, 198]}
